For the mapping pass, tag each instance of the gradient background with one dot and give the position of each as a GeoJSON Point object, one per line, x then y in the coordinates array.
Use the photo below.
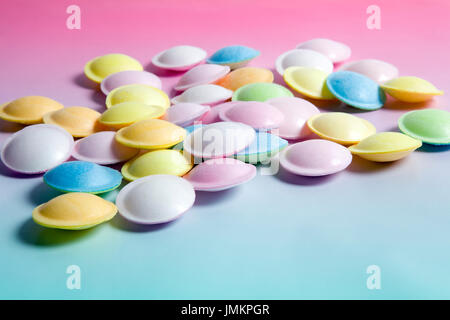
{"type": "Point", "coordinates": [277, 237]}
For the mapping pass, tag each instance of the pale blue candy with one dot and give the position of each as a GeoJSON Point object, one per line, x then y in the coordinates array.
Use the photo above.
{"type": "Point", "coordinates": [189, 129]}
{"type": "Point", "coordinates": [83, 176]}
{"type": "Point", "coordinates": [264, 147]}
{"type": "Point", "coordinates": [356, 90]}
{"type": "Point", "coordinates": [233, 54]}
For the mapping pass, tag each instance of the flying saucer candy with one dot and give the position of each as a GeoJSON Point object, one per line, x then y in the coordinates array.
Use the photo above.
{"type": "Point", "coordinates": [179, 58]}
{"type": "Point", "coordinates": [264, 147]}
{"type": "Point", "coordinates": [310, 82]}
{"type": "Point", "coordinates": [83, 176]}
{"type": "Point", "coordinates": [430, 126]}
{"type": "Point", "coordinates": [296, 112]}
{"type": "Point", "coordinates": [138, 93]}
{"type": "Point", "coordinates": [343, 128]}
{"type": "Point", "coordinates": [333, 50]}
{"type": "Point", "coordinates": [165, 161]}
{"type": "Point", "coordinates": [184, 114]}
{"type": "Point", "coordinates": [37, 148]}
{"type": "Point", "coordinates": [124, 78]}
{"type": "Point", "coordinates": [209, 94]}
{"type": "Point", "coordinates": [242, 76]}
{"type": "Point", "coordinates": [261, 91]}
{"type": "Point", "coordinates": [315, 157]}
{"type": "Point", "coordinates": [74, 211]}
{"type": "Point", "coordinates": [258, 115]}
{"type": "Point", "coordinates": [99, 68]}
{"type": "Point", "coordinates": [155, 199]}
{"type": "Point", "coordinates": [151, 134]}
{"type": "Point", "coordinates": [356, 90]}
{"type": "Point", "coordinates": [126, 113]}
{"type": "Point", "coordinates": [78, 121]}
{"type": "Point", "coordinates": [213, 114]}
{"type": "Point", "coordinates": [201, 74]}
{"type": "Point", "coordinates": [385, 147]}
{"type": "Point", "coordinates": [102, 148]}
{"type": "Point", "coordinates": [219, 139]}
{"type": "Point", "coordinates": [303, 58]}
{"type": "Point", "coordinates": [377, 70]}
{"type": "Point", "coordinates": [234, 56]}
{"type": "Point", "coordinates": [220, 174]}
{"type": "Point", "coordinates": [29, 109]}
{"type": "Point", "coordinates": [411, 89]}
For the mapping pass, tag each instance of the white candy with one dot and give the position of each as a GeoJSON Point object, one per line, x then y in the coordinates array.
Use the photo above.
{"type": "Point", "coordinates": [376, 70]}
{"type": "Point", "coordinates": [155, 199]}
{"type": "Point", "coordinates": [220, 139]}
{"type": "Point", "coordinates": [37, 148]}
{"type": "Point", "coordinates": [179, 58]}
{"type": "Point", "coordinates": [303, 58]}
{"type": "Point", "coordinates": [204, 94]}
{"type": "Point", "coordinates": [201, 74]}
{"type": "Point", "coordinates": [184, 114]}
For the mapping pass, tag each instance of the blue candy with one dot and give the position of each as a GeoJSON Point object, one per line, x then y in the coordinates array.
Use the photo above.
{"type": "Point", "coordinates": [83, 176]}
{"type": "Point", "coordinates": [265, 146]}
{"type": "Point", "coordinates": [356, 90]}
{"type": "Point", "coordinates": [233, 54]}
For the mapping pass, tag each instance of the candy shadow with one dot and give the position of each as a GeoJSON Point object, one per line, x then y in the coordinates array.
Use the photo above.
{"type": "Point", "coordinates": [33, 234]}
{"type": "Point", "coordinates": [9, 127]}
{"type": "Point", "coordinates": [82, 81]}
{"type": "Point", "coordinates": [6, 172]}
{"type": "Point", "coordinates": [360, 165]}
{"type": "Point", "coordinates": [433, 148]}
{"type": "Point", "coordinates": [406, 106]}
{"type": "Point", "coordinates": [99, 98]}
{"type": "Point", "coordinates": [42, 193]}
{"type": "Point", "coordinates": [162, 72]}
{"type": "Point", "coordinates": [291, 178]}
{"type": "Point", "coordinates": [121, 223]}
{"type": "Point", "coordinates": [205, 198]}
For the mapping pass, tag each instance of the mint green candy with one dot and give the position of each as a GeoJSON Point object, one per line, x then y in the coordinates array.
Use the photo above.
{"type": "Point", "coordinates": [260, 91]}
{"type": "Point", "coordinates": [431, 126]}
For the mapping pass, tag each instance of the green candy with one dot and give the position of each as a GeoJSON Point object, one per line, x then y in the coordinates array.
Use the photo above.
{"type": "Point", "coordinates": [260, 91]}
{"type": "Point", "coordinates": [431, 126]}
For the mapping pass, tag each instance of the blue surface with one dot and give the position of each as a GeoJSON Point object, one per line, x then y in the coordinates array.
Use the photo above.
{"type": "Point", "coordinates": [233, 54]}
{"type": "Point", "coordinates": [356, 90]}
{"type": "Point", "coordinates": [83, 176]}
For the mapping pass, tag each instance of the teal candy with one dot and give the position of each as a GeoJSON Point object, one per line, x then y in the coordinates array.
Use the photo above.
{"type": "Point", "coordinates": [83, 176]}
{"type": "Point", "coordinates": [356, 90]}
{"type": "Point", "coordinates": [233, 54]}
{"type": "Point", "coordinates": [265, 146]}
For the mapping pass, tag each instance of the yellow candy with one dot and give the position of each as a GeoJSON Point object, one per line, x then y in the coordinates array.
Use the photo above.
{"type": "Point", "coordinates": [28, 110]}
{"type": "Point", "coordinates": [78, 121]}
{"type": "Point", "coordinates": [74, 211]}
{"type": "Point", "coordinates": [310, 82]}
{"type": "Point", "coordinates": [385, 146]}
{"type": "Point", "coordinates": [166, 161]}
{"type": "Point", "coordinates": [242, 76]}
{"type": "Point", "coordinates": [411, 89]}
{"type": "Point", "coordinates": [138, 93]}
{"type": "Point", "coordinates": [151, 134]}
{"type": "Point", "coordinates": [127, 113]}
{"type": "Point", "coordinates": [99, 68]}
{"type": "Point", "coordinates": [340, 127]}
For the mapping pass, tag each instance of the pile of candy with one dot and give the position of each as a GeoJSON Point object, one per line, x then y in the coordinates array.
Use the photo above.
{"type": "Point", "coordinates": [203, 142]}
